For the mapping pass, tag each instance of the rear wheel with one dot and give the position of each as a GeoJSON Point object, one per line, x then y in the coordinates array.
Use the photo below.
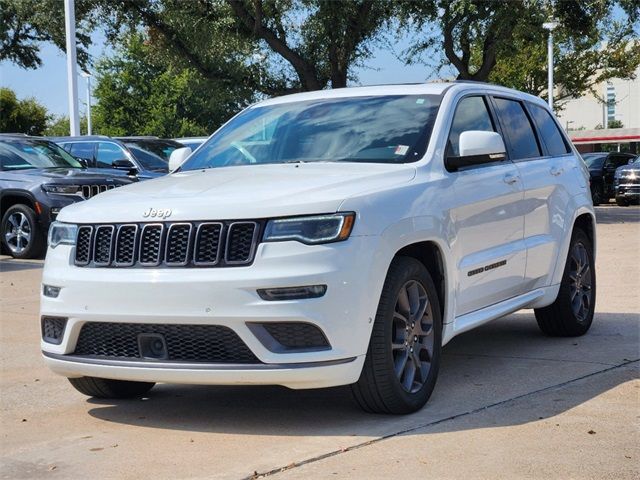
{"type": "Point", "coordinates": [403, 357]}
{"type": "Point", "coordinates": [571, 314]}
{"type": "Point", "coordinates": [107, 388]}
{"type": "Point", "coordinates": [21, 234]}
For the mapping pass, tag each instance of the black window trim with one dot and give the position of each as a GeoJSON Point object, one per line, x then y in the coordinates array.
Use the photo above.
{"type": "Point", "coordinates": [496, 127]}
{"type": "Point", "coordinates": [505, 136]}
{"type": "Point", "coordinates": [567, 143]}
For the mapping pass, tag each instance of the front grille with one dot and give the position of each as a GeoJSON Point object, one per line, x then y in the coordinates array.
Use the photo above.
{"type": "Point", "coordinates": [53, 329]}
{"type": "Point", "coordinates": [179, 244]}
{"type": "Point", "coordinates": [628, 180]}
{"type": "Point", "coordinates": [89, 191]}
{"type": "Point", "coordinates": [295, 335]}
{"type": "Point", "coordinates": [185, 343]}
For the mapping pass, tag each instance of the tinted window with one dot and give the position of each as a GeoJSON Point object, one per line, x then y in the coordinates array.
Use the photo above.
{"type": "Point", "coordinates": [82, 150]}
{"type": "Point", "coordinates": [471, 114]}
{"type": "Point", "coordinates": [619, 160]}
{"type": "Point", "coordinates": [522, 141]}
{"type": "Point", "coordinates": [26, 153]}
{"type": "Point", "coordinates": [376, 129]}
{"type": "Point", "coordinates": [549, 130]}
{"type": "Point", "coordinates": [107, 154]}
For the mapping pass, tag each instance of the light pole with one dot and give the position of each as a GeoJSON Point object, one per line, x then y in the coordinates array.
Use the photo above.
{"type": "Point", "coordinates": [551, 26]}
{"type": "Point", "coordinates": [72, 79]}
{"type": "Point", "coordinates": [87, 75]}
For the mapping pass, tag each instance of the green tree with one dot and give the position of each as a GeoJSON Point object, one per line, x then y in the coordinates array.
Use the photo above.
{"type": "Point", "coordinates": [615, 124]}
{"type": "Point", "coordinates": [505, 42]}
{"type": "Point", "coordinates": [140, 92]}
{"type": "Point", "coordinates": [59, 126]}
{"type": "Point", "coordinates": [21, 116]}
{"type": "Point", "coordinates": [25, 24]}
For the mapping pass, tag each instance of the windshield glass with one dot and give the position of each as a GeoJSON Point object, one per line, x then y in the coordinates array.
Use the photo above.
{"type": "Point", "coordinates": [27, 153]}
{"type": "Point", "coordinates": [381, 129]}
{"type": "Point", "coordinates": [153, 154]}
{"type": "Point", "coordinates": [594, 160]}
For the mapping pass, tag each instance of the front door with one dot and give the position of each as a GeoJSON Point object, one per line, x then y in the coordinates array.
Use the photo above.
{"type": "Point", "coordinates": [486, 209]}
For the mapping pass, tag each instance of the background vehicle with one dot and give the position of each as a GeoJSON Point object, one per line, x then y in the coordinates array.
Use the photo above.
{"type": "Point", "coordinates": [328, 238]}
{"type": "Point", "coordinates": [627, 183]}
{"type": "Point", "coordinates": [191, 142]}
{"type": "Point", "coordinates": [146, 157]}
{"type": "Point", "coordinates": [37, 179]}
{"type": "Point", "coordinates": [602, 168]}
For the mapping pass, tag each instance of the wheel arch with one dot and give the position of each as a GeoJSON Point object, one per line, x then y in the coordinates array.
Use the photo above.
{"type": "Point", "coordinates": [584, 219]}
{"type": "Point", "coordinates": [9, 198]}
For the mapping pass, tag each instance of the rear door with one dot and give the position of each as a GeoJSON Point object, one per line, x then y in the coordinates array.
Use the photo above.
{"type": "Point", "coordinates": [486, 210]}
{"type": "Point", "coordinates": [546, 164]}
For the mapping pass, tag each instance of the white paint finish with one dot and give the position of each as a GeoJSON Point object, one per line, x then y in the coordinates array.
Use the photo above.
{"type": "Point", "coordinates": [475, 217]}
{"type": "Point", "coordinates": [177, 157]}
{"type": "Point", "coordinates": [475, 142]}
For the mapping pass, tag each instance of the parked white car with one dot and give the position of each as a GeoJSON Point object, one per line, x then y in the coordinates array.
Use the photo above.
{"type": "Point", "coordinates": [326, 238]}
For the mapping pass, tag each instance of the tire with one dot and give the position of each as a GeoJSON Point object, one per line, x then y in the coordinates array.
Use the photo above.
{"type": "Point", "coordinates": [597, 194]}
{"type": "Point", "coordinates": [379, 389]}
{"type": "Point", "coordinates": [621, 202]}
{"type": "Point", "coordinates": [22, 235]}
{"type": "Point", "coordinates": [563, 318]}
{"type": "Point", "coordinates": [106, 388]}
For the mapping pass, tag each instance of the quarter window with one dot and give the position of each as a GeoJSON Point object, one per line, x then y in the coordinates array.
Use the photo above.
{"type": "Point", "coordinates": [515, 123]}
{"type": "Point", "coordinates": [548, 128]}
{"type": "Point", "coordinates": [471, 114]}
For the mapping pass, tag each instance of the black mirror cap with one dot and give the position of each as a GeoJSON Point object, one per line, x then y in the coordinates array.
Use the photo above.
{"type": "Point", "coordinates": [453, 163]}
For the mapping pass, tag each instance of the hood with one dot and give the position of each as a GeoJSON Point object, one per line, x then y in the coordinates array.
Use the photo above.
{"type": "Point", "coordinates": [243, 192]}
{"type": "Point", "coordinates": [71, 175]}
{"type": "Point", "coordinates": [631, 167]}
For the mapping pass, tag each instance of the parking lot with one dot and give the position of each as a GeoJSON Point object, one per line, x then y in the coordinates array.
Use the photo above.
{"type": "Point", "coordinates": [510, 403]}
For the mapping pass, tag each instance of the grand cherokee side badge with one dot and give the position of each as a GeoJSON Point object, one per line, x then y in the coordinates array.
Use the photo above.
{"type": "Point", "coordinates": [159, 213]}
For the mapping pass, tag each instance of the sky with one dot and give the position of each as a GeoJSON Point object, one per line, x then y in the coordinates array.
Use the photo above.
{"type": "Point", "coordinates": [48, 84]}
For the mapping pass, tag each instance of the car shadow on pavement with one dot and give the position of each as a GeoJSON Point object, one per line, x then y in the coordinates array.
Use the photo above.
{"type": "Point", "coordinates": [613, 214]}
{"type": "Point", "coordinates": [496, 363]}
{"type": "Point", "coordinates": [13, 265]}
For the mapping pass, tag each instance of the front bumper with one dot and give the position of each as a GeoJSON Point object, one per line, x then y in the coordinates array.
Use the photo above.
{"type": "Point", "coordinates": [630, 191]}
{"type": "Point", "coordinates": [225, 297]}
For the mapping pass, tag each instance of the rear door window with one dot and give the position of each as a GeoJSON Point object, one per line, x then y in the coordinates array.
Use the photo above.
{"type": "Point", "coordinates": [82, 150]}
{"type": "Point", "coordinates": [521, 139]}
{"type": "Point", "coordinates": [548, 128]}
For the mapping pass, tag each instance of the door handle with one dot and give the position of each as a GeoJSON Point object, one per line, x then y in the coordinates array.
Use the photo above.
{"type": "Point", "coordinates": [510, 179]}
{"type": "Point", "coordinates": [555, 171]}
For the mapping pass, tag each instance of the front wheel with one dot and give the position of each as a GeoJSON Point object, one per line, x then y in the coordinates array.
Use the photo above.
{"type": "Point", "coordinates": [403, 357]}
{"type": "Point", "coordinates": [571, 314]}
{"type": "Point", "coordinates": [107, 388]}
{"type": "Point", "coordinates": [22, 236]}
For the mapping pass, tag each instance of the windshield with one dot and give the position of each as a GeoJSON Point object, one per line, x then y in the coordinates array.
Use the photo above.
{"type": "Point", "coordinates": [594, 160]}
{"type": "Point", "coordinates": [382, 129]}
{"type": "Point", "coordinates": [153, 154]}
{"type": "Point", "coordinates": [28, 153]}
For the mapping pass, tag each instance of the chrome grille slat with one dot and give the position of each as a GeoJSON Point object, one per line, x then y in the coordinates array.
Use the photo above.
{"type": "Point", "coordinates": [168, 244]}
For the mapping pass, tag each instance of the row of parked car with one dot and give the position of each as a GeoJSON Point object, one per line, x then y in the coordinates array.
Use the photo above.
{"type": "Point", "coordinates": [39, 176]}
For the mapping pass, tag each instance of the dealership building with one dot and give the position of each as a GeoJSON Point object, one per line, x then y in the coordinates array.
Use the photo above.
{"type": "Point", "coordinates": [587, 119]}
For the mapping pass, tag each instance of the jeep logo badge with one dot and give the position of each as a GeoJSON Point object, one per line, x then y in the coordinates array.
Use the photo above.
{"type": "Point", "coordinates": [159, 213]}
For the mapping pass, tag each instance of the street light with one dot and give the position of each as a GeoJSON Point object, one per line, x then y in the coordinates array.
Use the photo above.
{"type": "Point", "coordinates": [87, 75]}
{"type": "Point", "coordinates": [551, 25]}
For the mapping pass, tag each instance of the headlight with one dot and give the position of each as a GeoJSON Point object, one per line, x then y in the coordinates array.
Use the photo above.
{"type": "Point", "coordinates": [61, 189]}
{"type": "Point", "coordinates": [62, 234]}
{"type": "Point", "coordinates": [310, 230]}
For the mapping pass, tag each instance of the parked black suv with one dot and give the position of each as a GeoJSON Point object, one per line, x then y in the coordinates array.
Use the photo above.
{"type": "Point", "coordinates": [37, 179]}
{"type": "Point", "coordinates": [146, 157]}
{"type": "Point", "coordinates": [602, 168]}
{"type": "Point", "coordinates": [627, 183]}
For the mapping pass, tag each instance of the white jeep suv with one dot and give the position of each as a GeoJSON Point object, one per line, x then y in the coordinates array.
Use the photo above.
{"type": "Point", "coordinates": [326, 238]}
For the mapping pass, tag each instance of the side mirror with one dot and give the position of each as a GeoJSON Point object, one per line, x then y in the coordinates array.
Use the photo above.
{"type": "Point", "coordinates": [477, 147]}
{"type": "Point", "coordinates": [125, 164]}
{"type": "Point", "coordinates": [177, 157]}
{"type": "Point", "coordinates": [83, 162]}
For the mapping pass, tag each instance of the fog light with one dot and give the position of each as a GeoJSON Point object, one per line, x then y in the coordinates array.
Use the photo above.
{"type": "Point", "coordinates": [292, 293]}
{"type": "Point", "coordinates": [50, 291]}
